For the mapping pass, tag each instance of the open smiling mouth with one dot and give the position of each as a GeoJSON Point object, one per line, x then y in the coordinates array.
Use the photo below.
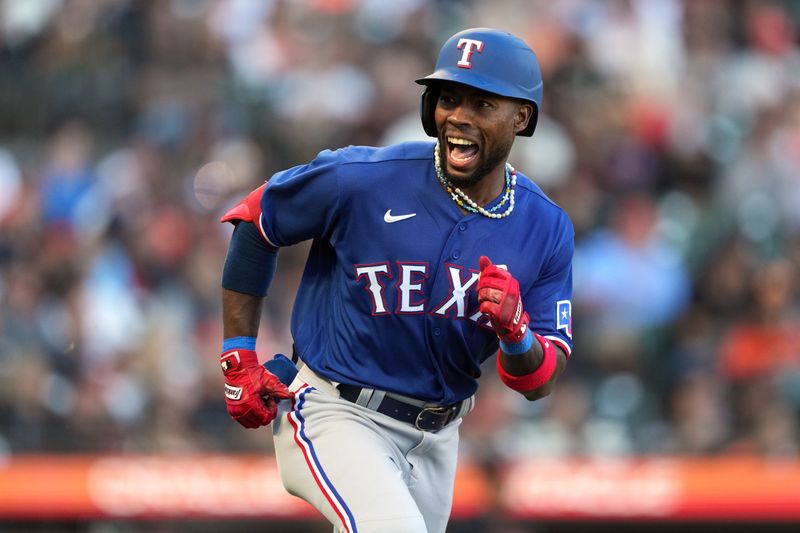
{"type": "Point", "coordinates": [461, 153]}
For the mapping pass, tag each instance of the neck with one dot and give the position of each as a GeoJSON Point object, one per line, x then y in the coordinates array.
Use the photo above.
{"type": "Point", "coordinates": [484, 184]}
{"type": "Point", "coordinates": [466, 203]}
{"type": "Point", "coordinates": [489, 187]}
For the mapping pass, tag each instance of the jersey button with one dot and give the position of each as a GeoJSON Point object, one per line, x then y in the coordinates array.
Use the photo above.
{"type": "Point", "coordinates": [437, 331]}
{"type": "Point", "coordinates": [456, 254]}
{"type": "Point", "coordinates": [462, 227]}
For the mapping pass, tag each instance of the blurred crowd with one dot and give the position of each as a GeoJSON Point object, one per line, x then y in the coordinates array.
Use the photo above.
{"type": "Point", "coordinates": [670, 134]}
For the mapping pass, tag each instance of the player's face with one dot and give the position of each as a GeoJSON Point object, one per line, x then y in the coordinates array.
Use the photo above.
{"type": "Point", "coordinates": [476, 132]}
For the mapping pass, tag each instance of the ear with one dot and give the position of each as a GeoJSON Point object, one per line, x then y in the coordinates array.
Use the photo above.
{"type": "Point", "coordinates": [522, 116]}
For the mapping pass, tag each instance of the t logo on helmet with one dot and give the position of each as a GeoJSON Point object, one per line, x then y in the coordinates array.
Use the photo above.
{"type": "Point", "coordinates": [469, 46]}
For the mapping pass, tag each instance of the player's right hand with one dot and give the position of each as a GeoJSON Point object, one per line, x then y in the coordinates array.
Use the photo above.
{"type": "Point", "coordinates": [251, 392]}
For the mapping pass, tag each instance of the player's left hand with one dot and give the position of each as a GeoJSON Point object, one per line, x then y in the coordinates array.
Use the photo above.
{"type": "Point", "coordinates": [251, 392]}
{"type": "Point", "coordinates": [499, 298]}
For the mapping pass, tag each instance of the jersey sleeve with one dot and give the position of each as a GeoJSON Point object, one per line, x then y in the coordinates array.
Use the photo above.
{"type": "Point", "coordinates": [301, 203]}
{"type": "Point", "coordinates": [549, 302]}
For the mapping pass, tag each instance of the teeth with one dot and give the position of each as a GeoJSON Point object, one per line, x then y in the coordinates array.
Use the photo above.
{"type": "Point", "coordinates": [456, 140]}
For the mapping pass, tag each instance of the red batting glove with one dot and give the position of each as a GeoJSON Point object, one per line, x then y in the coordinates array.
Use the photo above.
{"type": "Point", "coordinates": [250, 390]}
{"type": "Point", "coordinates": [498, 296]}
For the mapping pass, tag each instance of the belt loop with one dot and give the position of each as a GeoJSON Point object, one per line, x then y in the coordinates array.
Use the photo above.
{"type": "Point", "coordinates": [364, 397]}
{"type": "Point", "coordinates": [466, 406]}
{"type": "Point", "coordinates": [375, 400]}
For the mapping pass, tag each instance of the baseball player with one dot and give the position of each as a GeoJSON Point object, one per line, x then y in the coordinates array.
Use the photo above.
{"type": "Point", "coordinates": [427, 259]}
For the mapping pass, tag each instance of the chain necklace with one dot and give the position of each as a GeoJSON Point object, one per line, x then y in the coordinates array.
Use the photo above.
{"type": "Point", "coordinates": [464, 201]}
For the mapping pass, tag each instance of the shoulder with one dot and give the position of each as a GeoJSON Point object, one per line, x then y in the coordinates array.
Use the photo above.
{"type": "Point", "coordinates": [402, 165]}
{"type": "Point", "coordinates": [532, 198]}
{"type": "Point", "coordinates": [348, 160]}
{"type": "Point", "coordinates": [395, 153]}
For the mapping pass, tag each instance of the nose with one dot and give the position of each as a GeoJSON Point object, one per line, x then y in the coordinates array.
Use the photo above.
{"type": "Point", "coordinates": [460, 115]}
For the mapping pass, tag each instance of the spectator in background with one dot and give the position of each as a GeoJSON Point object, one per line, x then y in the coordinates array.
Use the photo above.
{"type": "Point", "coordinates": [69, 187]}
{"type": "Point", "coordinates": [759, 356]}
{"type": "Point", "coordinates": [766, 339]}
{"type": "Point", "coordinates": [631, 282]}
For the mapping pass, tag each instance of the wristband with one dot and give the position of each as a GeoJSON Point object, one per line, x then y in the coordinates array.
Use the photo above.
{"type": "Point", "coordinates": [517, 348]}
{"type": "Point", "coordinates": [242, 343]}
{"type": "Point", "coordinates": [538, 377]}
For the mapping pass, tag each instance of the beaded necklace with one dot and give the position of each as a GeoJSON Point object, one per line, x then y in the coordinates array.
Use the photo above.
{"type": "Point", "coordinates": [465, 202]}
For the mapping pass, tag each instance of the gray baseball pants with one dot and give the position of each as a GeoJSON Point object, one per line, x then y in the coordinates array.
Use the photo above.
{"type": "Point", "coordinates": [364, 471]}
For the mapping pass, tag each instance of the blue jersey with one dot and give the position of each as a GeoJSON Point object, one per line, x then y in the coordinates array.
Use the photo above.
{"type": "Point", "coordinates": [388, 296]}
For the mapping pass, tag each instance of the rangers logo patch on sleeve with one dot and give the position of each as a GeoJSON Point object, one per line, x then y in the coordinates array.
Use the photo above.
{"type": "Point", "coordinates": [564, 316]}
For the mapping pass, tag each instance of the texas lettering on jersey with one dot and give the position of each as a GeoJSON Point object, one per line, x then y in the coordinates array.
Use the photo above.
{"type": "Point", "coordinates": [411, 290]}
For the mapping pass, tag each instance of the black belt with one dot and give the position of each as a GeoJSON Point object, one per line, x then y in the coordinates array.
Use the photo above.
{"type": "Point", "coordinates": [431, 418]}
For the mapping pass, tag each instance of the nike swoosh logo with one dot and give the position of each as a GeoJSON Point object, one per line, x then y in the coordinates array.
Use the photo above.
{"type": "Point", "coordinates": [389, 218]}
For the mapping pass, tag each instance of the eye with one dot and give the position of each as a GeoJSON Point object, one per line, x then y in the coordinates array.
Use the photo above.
{"type": "Point", "coordinates": [485, 104]}
{"type": "Point", "coordinates": [446, 100]}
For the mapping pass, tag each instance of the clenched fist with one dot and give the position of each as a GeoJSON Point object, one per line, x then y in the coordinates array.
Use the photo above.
{"type": "Point", "coordinates": [499, 298]}
{"type": "Point", "coordinates": [251, 392]}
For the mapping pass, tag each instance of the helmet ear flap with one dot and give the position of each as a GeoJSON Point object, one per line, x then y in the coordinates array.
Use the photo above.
{"type": "Point", "coordinates": [427, 108]}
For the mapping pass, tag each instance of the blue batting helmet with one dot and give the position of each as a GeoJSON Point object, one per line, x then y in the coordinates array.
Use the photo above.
{"type": "Point", "coordinates": [487, 59]}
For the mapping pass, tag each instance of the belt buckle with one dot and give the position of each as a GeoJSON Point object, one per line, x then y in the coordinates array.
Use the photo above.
{"type": "Point", "coordinates": [446, 413]}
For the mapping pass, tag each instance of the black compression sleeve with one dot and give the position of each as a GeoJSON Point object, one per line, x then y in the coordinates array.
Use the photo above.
{"type": "Point", "coordinates": [250, 264]}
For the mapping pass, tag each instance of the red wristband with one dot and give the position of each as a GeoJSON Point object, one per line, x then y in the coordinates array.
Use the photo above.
{"type": "Point", "coordinates": [538, 377]}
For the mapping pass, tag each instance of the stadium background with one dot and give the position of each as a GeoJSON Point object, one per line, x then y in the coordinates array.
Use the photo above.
{"type": "Point", "coordinates": [671, 135]}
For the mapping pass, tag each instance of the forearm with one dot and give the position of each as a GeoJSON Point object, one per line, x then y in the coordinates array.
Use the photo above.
{"type": "Point", "coordinates": [246, 276]}
{"type": "Point", "coordinates": [241, 314]}
{"type": "Point", "coordinates": [530, 361]}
